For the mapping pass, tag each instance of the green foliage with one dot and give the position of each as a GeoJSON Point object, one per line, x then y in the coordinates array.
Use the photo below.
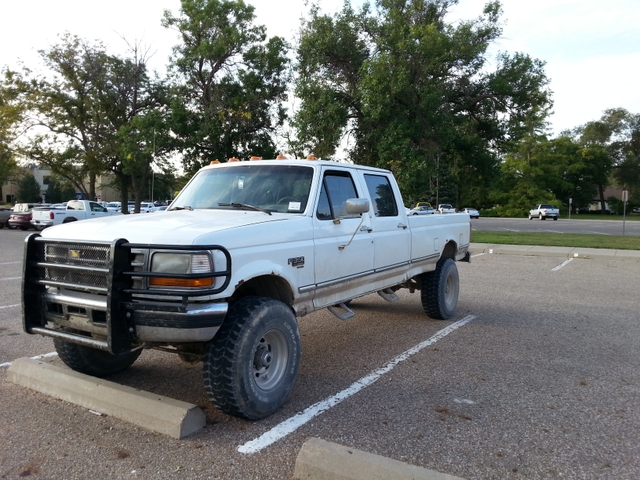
{"type": "Point", "coordinates": [59, 191]}
{"type": "Point", "coordinates": [11, 115]}
{"type": "Point", "coordinates": [28, 189]}
{"type": "Point", "coordinates": [413, 93]}
{"type": "Point", "coordinates": [229, 82]}
{"type": "Point", "coordinates": [628, 242]}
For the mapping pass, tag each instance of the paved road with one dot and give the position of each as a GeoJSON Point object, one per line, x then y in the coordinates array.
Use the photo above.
{"type": "Point", "coordinates": [540, 380]}
{"type": "Point", "coordinates": [600, 227]}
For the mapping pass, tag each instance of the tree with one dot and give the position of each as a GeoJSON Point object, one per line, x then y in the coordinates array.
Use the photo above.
{"type": "Point", "coordinates": [59, 191]}
{"type": "Point", "coordinates": [28, 189]}
{"type": "Point", "coordinates": [229, 81]}
{"type": "Point", "coordinates": [11, 115]}
{"type": "Point", "coordinates": [413, 93]}
{"type": "Point", "coordinates": [83, 113]}
{"type": "Point", "coordinates": [617, 134]}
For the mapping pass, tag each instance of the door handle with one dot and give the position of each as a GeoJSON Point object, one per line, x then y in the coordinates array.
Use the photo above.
{"type": "Point", "coordinates": [366, 229]}
{"type": "Point", "coordinates": [402, 226]}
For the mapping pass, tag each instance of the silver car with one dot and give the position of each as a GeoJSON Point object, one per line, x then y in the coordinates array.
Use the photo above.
{"type": "Point", "coordinates": [422, 210]}
{"type": "Point", "coordinates": [473, 213]}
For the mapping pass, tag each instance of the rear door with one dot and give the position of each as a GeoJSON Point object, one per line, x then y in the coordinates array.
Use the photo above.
{"type": "Point", "coordinates": [392, 238]}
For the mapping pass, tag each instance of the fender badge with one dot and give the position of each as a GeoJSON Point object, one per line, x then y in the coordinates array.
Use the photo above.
{"type": "Point", "coordinates": [297, 262]}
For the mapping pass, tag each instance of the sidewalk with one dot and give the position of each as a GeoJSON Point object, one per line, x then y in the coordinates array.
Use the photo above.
{"type": "Point", "coordinates": [563, 252]}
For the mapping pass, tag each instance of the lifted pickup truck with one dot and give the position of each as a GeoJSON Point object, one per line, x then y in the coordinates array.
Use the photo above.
{"type": "Point", "coordinates": [544, 211]}
{"type": "Point", "coordinates": [223, 274]}
{"type": "Point", "coordinates": [75, 210]}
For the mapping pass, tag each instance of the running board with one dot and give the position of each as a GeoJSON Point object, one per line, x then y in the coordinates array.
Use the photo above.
{"type": "Point", "coordinates": [347, 312]}
{"type": "Point", "coordinates": [389, 295]}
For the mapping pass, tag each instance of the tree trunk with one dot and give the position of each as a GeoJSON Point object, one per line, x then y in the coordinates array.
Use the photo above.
{"type": "Point", "coordinates": [603, 205]}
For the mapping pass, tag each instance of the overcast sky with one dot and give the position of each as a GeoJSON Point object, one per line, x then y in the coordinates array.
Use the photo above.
{"type": "Point", "coordinates": [591, 47]}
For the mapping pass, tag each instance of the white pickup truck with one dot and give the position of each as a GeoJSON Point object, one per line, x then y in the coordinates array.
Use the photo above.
{"type": "Point", "coordinates": [446, 208]}
{"type": "Point", "coordinates": [75, 210]}
{"type": "Point", "coordinates": [544, 211]}
{"type": "Point", "coordinates": [223, 274]}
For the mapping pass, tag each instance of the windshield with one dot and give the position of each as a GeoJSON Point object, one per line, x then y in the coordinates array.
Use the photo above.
{"type": "Point", "coordinates": [274, 188]}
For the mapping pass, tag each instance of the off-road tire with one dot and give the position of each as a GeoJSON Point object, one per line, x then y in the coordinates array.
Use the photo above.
{"type": "Point", "coordinates": [250, 366]}
{"type": "Point", "coordinates": [540, 217]}
{"type": "Point", "coordinates": [92, 361]}
{"type": "Point", "coordinates": [440, 290]}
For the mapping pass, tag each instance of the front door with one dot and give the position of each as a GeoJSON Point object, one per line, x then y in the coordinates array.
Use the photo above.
{"type": "Point", "coordinates": [344, 248]}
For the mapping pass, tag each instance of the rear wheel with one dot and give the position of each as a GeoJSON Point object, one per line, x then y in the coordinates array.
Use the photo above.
{"type": "Point", "coordinates": [251, 364]}
{"type": "Point", "coordinates": [92, 361]}
{"type": "Point", "coordinates": [540, 217]}
{"type": "Point", "coordinates": [440, 290]}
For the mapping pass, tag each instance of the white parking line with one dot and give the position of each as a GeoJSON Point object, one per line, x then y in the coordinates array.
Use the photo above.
{"type": "Point", "coordinates": [477, 255]}
{"type": "Point", "coordinates": [555, 269]}
{"type": "Point", "coordinates": [508, 229]}
{"type": "Point", "coordinates": [37, 357]}
{"type": "Point", "coordinates": [9, 306]}
{"type": "Point", "coordinates": [11, 278]}
{"type": "Point", "coordinates": [9, 263]}
{"type": "Point", "coordinates": [597, 233]}
{"type": "Point", "coordinates": [293, 423]}
{"type": "Point", "coordinates": [550, 231]}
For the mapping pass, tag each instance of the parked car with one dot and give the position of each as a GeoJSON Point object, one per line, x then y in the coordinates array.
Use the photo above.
{"type": "Point", "coordinates": [446, 208]}
{"type": "Point", "coordinates": [21, 216]}
{"type": "Point", "coordinates": [145, 207]}
{"type": "Point", "coordinates": [5, 213]}
{"type": "Point", "coordinates": [473, 213]}
{"type": "Point", "coordinates": [544, 211]}
{"type": "Point", "coordinates": [422, 210]}
{"type": "Point", "coordinates": [21, 220]}
{"type": "Point", "coordinates": [113, 206]}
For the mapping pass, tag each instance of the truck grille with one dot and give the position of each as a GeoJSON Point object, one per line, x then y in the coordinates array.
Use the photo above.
{"type": "Point", "coordinates": [77, 255]}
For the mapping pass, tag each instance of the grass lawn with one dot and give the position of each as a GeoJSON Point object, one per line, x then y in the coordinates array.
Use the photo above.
{"type": "Point", "coordinates": [633, 217]}
{"type": "Point", "coordinates": [558, 239]}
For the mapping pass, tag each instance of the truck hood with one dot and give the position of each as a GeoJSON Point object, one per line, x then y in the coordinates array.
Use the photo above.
{"type": "Point", "coordinates": [183, 227]}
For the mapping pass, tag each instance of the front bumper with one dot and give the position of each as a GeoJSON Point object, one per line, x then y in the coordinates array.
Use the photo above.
{"type": "Point", "coordinates": [88, 288]}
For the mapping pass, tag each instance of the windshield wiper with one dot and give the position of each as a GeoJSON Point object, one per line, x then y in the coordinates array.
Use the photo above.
{"type": "Point", "coordinates": [186, 207]}
{"type": "Point", "coordinates": [245, 206]}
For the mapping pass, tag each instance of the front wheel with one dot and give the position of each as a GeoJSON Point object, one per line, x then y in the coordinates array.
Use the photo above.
{"type": "Point", "coordinates": [250, 366]}
{"type": "Point", "coordinates": [92, 361]}
{"type": "Point", "coordinates": [440, 290]}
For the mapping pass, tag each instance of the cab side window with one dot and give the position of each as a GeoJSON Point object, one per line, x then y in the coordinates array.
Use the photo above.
{"type": "Point", "coordinates": [381, 193]}
{"type": "Point", "coordinates": [96, 207]}
{"type": "Point", "coordinates": [337, 188]}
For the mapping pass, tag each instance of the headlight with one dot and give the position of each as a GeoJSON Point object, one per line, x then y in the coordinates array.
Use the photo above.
{"type": "Point", "coordinates": [181, 263]}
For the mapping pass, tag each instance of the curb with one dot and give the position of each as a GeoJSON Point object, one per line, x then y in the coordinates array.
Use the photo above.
{"type": "Point", "coordinates": [563, 252]}
{"type": "Point", "coordinates": [160, 414]}
{"type": "Point", "coordinates": [322, 460]}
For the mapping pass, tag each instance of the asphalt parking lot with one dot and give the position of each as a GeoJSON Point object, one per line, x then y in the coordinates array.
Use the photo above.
{"type": "Point", "coordinates": [540, 380]}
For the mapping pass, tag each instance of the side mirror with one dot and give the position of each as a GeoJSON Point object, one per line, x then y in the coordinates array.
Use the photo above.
{"type": "Point", "coordinates": [356, 206]}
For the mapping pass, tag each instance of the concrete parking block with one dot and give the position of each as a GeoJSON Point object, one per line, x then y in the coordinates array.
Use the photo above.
{"type": "Point", "coordinates": [160, 414]}
{"type": "Point", "coordinates": [322, 460]}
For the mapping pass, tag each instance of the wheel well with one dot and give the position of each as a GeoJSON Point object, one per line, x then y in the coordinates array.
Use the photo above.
{"type": "Point", "coordinates": [450, 250]}
{"type": "Point", "coordinates": [271, 286]}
